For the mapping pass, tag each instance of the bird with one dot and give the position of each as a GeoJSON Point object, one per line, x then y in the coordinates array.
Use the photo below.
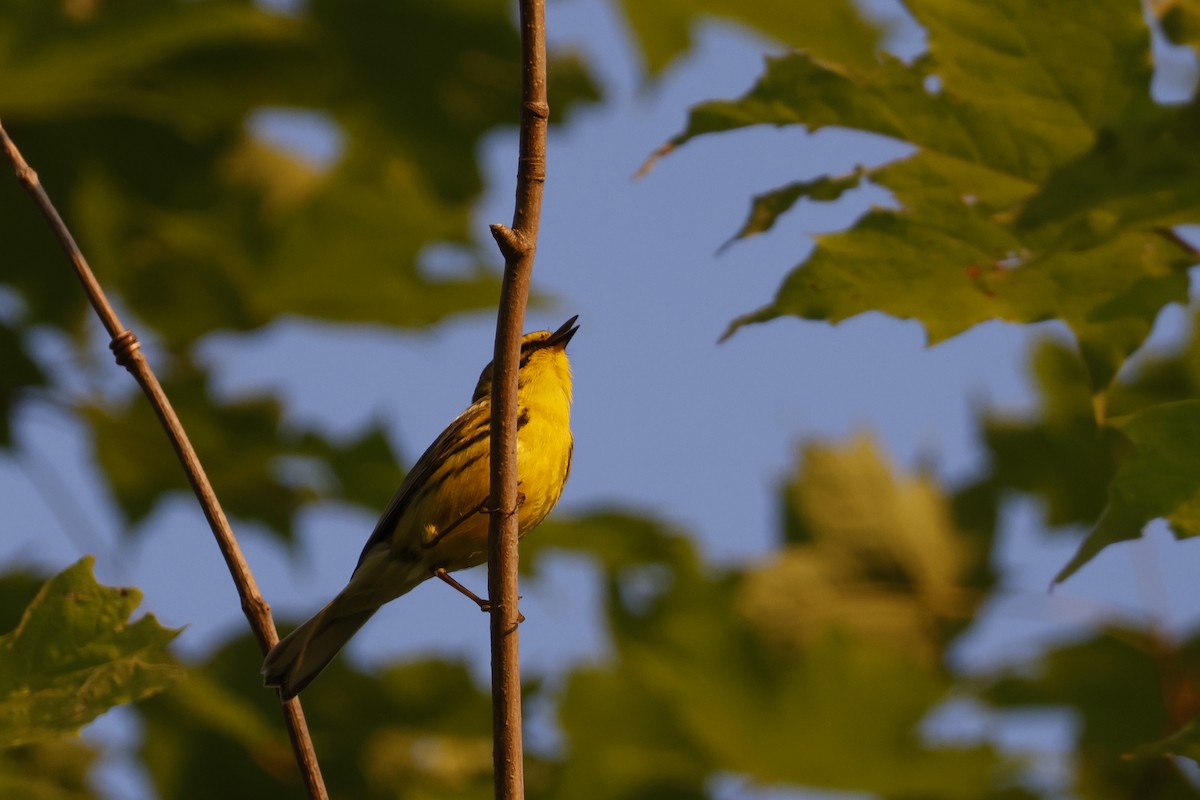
{"type": "Point", "coordinates": [437, 521]}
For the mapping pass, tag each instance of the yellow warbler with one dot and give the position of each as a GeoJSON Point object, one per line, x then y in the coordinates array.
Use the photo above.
{"type": "Point", "coordinates": [437, 522]}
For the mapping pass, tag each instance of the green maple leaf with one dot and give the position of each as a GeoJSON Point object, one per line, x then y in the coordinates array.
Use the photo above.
{"type": "Point", "coordinates": [1020, 202]}
{"type": "Point", "coordinates": [75, 654]}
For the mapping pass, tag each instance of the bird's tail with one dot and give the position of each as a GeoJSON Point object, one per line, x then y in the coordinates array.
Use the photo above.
{"type": "Point", "coordinates": [302, 654]}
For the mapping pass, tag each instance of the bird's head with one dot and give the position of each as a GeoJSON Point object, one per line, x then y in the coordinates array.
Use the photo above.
{"type": "Point", "coordinates": [543, 357]}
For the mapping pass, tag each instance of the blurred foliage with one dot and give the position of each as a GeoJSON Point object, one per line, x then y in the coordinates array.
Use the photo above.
{"type": "Point", "coordinates": [818, 666]}
{"type": "Point", "coordinates": [142, 120]}
{"type": "Point", "coordinates": [711, 672]}
{"type": "Point", "coordinates": [422, 730]}
{"type": "Point", "coordinates": [21, 373]}
{"type": "Point", "coordinates": [50, 770]}
{"type": "Point", "coordinates": [246, 441]}
{"type": "Point", "coordinates": [870, 551]}
{"type": "Point", "coordinates": [758, 672]}
{"type": "Point", "coordinates": [1180, 20]}
{"type": "Point", "coordinates": [1158, 691]}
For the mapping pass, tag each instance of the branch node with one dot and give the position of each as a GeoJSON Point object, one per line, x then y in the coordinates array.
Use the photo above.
{"type": "Point", "coordinates": [512, 245]}
{"type": "Point", "coordinates": [494, 509]}
{"type": "Point", "coordinates": [21, 169]}
{"type": "Point", "coordinates": [533, 168]}
{"type": "Point", "coordinates": [256, 605]}
{"type": "Point", "coordinates": [125, 346]}
{"type": "Point", "coordinates": [539, 109]}
{"type": "Point", "coordinates": [27, 175]}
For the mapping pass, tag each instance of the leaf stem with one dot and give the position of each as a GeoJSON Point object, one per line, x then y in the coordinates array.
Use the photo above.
{"type": "Point", "coordinates": [1174, 238]}
{"type": "Point", "coordinates": [127, 350]}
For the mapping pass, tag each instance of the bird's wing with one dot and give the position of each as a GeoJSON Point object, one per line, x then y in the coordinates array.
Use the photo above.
{"type": "Point", "coordinates": [476, 414]}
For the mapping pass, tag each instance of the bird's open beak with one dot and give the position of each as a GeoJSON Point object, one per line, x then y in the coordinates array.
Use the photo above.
{"type": "Point", "coordinates": [563, 335]}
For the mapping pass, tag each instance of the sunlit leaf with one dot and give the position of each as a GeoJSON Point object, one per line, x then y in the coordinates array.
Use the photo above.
{"type": "Point", "coordinates": [963, 269]}
{"type": "Point", "coordinates": [870, 551]}
{"type": "Point", "coordinates": [843, 716]}
{"type": "Point", "coordinates": [873, 552]}
{"type": "Point", "coordinates": [1009, 95]}
{"type": "Point", "coordinates": [75, 654]}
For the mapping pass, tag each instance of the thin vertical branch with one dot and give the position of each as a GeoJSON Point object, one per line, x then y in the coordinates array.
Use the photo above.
{"type": "Point", "coordinates": [518, 244]}
{"type": "Point", "coordinates": [127, 350]}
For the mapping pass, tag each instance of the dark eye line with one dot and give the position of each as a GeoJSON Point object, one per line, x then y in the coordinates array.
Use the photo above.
{"type": "Point", "coordinates": [528, 349]}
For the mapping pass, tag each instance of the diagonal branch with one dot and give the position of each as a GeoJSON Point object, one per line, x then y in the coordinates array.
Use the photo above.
{"type": "Point", "coordinates": [127, 350]}
{"type": "Point", "coordinates": [518, 245]}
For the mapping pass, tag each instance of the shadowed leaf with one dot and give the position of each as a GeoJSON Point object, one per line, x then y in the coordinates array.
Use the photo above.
{"type": "Point", "coordinates": [1158, 477]}
{"type": "Point", "coordinates": [20, 374]}
{"type": "Point", "coordinates": [56, 769]}
{"type": "Point", "coordinates": [1180, 21]}
{"type": "Point", "coordinates": [1058, 454]}
{"type": "Point", "coordinates": [1153, 676]}
{"type": "Point", "coordinates": [1186, 742]}
{"type": "Point", "coordinates": [836, 30]}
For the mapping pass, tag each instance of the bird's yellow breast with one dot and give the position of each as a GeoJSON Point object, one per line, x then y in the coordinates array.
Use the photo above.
{"type": "Point", "coordinates": [544, 450]}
